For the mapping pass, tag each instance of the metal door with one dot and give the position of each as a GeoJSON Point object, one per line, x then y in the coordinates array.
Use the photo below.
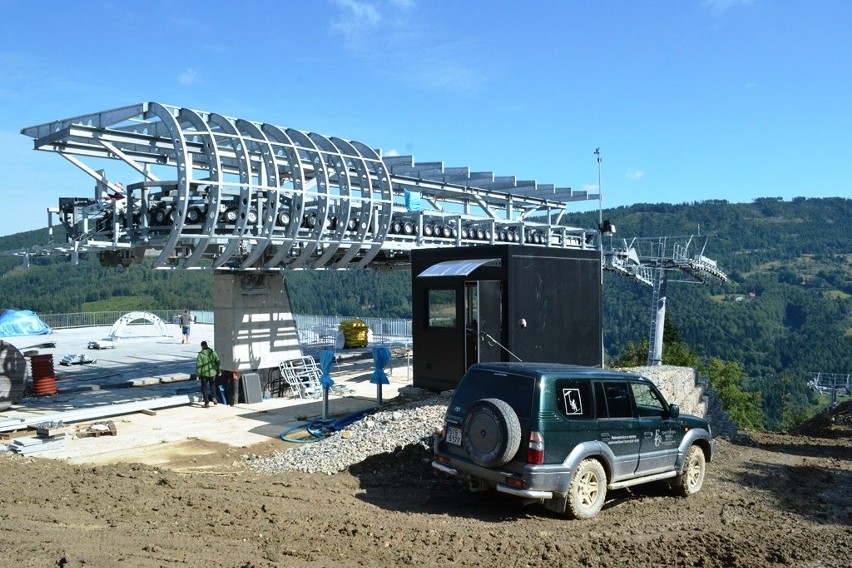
{"type": "Point", "coordinates": [484, 322]}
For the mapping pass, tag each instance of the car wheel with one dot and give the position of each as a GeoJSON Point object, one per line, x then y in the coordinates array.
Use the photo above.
{"type": "Point", "coordinates": [691, 478]}
{"type": "Point", "coordinates": [491, 433]}
{"type": "Point", "coordinates": [587, 491]}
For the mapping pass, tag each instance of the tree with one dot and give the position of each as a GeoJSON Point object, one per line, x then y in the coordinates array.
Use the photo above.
{"type": "Point", "coordinates": [745, 408]}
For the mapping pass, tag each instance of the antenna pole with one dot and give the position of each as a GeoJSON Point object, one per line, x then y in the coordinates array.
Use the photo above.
{"type": "Point", "coordinates": [600, 242]}
{"type": "Point", "coordinates": [600, 191]}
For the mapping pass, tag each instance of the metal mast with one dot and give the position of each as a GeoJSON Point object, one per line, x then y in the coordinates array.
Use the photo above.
{"type": "Point", "coordinates": [649, 260]}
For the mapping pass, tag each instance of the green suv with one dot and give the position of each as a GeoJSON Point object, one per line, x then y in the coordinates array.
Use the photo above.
{"type": "Point", "coordinates": [563, 435]}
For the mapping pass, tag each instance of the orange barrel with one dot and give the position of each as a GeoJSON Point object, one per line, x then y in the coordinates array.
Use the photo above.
{"type": "Point", "coordinates": [44, 381]}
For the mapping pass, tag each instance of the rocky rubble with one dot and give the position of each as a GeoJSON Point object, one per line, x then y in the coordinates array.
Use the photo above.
{"type": "Point", "coordinates": [410, 419]}
{"type": "Point", "coordinates": [830, 423]}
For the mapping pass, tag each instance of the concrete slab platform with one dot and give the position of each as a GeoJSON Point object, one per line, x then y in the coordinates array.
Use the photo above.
{"type": "Point", "coordinates": [143, 369]}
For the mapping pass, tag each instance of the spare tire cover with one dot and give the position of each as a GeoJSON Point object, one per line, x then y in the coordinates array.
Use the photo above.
{"type": "Point", "coordinates": [491, 432]}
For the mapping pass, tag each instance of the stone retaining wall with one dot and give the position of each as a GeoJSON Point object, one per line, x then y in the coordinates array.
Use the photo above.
{"type": "Point", "coordinates": [694, 395]}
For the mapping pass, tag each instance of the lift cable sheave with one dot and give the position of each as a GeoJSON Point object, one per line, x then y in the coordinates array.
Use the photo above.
{"type": "Point", "coordinates": [234, 194]}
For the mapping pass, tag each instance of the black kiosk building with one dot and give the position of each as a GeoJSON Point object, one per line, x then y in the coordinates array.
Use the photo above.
{"type": "Point", "coordinates": [503, 303]}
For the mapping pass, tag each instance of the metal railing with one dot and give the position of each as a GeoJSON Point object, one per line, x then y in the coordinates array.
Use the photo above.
{"type": "Point", "coordinates": [323, 329]}
{"type": "Point", "coordinates": [313, 330]}
{"type": "Point", "coordinates": [93, 319]}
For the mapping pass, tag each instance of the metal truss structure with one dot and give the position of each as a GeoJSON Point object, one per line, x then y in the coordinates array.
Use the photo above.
{"type": "Point", "coordinates": [233, 194]}
{"type": "Point", "coordinates": [831, 383]}
{"type": "Point", "coordinates": [649, 260]}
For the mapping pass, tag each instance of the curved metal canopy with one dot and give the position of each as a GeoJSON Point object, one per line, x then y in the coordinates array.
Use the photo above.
{"type": "Point", "coordinates": [234, 194]}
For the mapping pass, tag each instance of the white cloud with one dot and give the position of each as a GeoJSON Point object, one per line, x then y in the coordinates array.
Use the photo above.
{"type": "Point", "coordinates": [356, 20]}
{"type": "Point", "coordinates": [390, 153]}
{"type": "Point", "coordinates": [634, 174]}
{"type": "Point", "coordinates": [389, 32]}
{"type": "Point", "coordinates": [189, 76]}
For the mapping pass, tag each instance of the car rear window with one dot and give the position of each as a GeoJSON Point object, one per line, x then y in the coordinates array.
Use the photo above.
{"type": "Point", "coordinates": [574, 399]}
{"type": "Point", "coordinates": [516, 390]}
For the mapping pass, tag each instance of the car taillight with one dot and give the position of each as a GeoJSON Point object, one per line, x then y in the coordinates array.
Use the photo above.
{"type": "Point", "coordinates": [535, 454]}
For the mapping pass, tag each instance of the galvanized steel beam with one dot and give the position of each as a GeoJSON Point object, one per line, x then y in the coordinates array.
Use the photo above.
{"type": "Point", "coordinates": [234, 194]}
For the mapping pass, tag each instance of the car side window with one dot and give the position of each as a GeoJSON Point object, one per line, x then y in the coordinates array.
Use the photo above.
{"type": "Point", "coordinates": [617, 400]}
{"type": "Point", "coordinates": [574, 399]}
{"type": "Point", "coordinates": [600, 401]}
{"type": "Point", "coordinates": [648, 402]}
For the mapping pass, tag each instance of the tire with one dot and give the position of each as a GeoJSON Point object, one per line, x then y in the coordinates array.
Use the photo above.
{"type": "Point", "coordinates": [587, 491]}
{"type": "Point", "coordinates": [691, 477]}
{"type": "Point", "coordinates": [491, 433]}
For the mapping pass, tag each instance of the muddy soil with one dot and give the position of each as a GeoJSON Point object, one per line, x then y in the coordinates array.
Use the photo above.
{"type": "Point", "coordinates": [768, 500]}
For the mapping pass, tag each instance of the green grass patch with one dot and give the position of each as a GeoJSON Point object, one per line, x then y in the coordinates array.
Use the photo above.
{"type": "Point", "coordinates": [122, 304]}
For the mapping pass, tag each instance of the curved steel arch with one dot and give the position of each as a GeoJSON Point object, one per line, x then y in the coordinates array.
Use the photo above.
{"type": "Point", "coordinates": [234, 194]}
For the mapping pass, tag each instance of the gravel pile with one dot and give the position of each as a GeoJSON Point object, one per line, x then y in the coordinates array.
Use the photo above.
{"type": "Point", "coordinates": [411, 418]}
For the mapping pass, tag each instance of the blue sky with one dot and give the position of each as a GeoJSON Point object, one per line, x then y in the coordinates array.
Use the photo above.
{"type": "Point", "coordinates": [688, 100]}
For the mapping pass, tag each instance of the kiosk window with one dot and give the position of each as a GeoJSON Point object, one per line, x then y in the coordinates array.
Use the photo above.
{"type": "Point", "coordinates": [442, 309]}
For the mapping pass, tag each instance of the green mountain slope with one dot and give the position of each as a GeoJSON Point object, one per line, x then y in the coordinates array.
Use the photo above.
{"type": "Point", "coordinates": [786, 312]}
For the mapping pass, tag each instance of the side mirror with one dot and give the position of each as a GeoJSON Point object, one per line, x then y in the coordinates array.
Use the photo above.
{"type": "Point", "coordinates": [674, 411]}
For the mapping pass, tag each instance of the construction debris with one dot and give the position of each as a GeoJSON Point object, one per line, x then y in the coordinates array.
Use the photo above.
{"type": "Point", "coordinates": [96, 429]}
{"type": "Point", "coordinates": [50, 436]}
{"type": "Point", "coordinates": [33, 445]}
{"type": "Point", "coordinates": [52, 429]}
{"type": "Point", "coordinates": [76, 359]}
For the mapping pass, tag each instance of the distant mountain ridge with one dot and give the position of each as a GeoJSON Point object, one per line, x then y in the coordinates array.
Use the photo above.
{"type": "Point", "coordinates": [787, 307]}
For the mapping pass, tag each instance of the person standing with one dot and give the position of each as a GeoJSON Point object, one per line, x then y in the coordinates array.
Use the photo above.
{"type": "Point", "coordinates": [185, 321]}
{"type": "Point", "coordinates": [207, 369]}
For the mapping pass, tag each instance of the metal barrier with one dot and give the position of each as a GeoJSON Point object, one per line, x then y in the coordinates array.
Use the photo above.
{"type": "Point", "coordinates": [93, 319]}
{"type": "Point", "coordinates": [317, 330]}
{"type": "Point", "coordinates": [313, 330]}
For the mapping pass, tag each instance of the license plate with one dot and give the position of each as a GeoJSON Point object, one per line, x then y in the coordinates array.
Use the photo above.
{"type": "Point", "coordinates": [454, 436]}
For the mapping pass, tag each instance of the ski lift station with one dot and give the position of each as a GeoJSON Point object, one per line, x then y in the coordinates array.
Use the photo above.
{"type": "Point", "coordinates": [496, 273]}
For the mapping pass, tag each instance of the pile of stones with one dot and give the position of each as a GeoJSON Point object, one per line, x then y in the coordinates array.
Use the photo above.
{"type": "Point", "coordinates": [411, 418]}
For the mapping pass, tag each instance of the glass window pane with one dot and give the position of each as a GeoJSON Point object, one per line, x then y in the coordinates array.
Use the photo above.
{"type": "Point", "coordinates": [442, 309]}
{"type": "Point", "coordinates": [574, 399]}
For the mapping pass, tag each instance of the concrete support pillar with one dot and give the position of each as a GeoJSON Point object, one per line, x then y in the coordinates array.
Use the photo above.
{"type": "Point", "coordinates": [254, 329]}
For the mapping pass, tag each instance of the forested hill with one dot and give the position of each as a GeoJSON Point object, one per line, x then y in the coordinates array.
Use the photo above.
{"type": "Point", "coordinates": [786, 312]}
{"type": "Point", "coordinates": [788, 305]}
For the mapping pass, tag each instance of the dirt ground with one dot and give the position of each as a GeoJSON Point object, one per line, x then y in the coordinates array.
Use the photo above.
{"type": "Point", "coordinates": [769, 499]}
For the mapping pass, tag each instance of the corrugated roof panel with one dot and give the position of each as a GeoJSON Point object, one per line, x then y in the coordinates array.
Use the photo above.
{"type": "Point", "coordinates": [458, 267]}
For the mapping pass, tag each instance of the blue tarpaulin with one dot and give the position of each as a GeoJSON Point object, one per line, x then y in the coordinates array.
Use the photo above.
{"type": "Point", "coordinates": [381, 356]}
{"type": "Point", "coordinates": [326, 361]}
{"type": "Point", "coordinates": [22, 322]}
{"type": "Point", "coordinates": [412, 200]}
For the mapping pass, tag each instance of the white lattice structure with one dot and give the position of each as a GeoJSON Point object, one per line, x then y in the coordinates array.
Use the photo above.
{"type": "Point", "coordinates": [160, 329]}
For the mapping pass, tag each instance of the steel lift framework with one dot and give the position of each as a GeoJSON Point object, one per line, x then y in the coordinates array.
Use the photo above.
{"type": "Point", "coordinates": [234, 194]}
{"type": "Point", "coordinates": [649, 261]}
{"type": "Point", "coordinates": [243, 196]}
